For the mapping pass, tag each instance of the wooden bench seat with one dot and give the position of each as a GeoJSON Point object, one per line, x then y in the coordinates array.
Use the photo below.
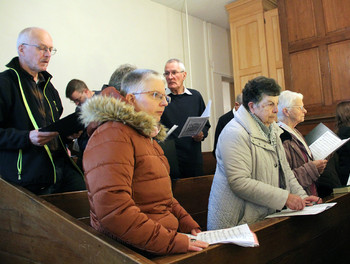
{"type": "Point", "coordinates": [36, 230]}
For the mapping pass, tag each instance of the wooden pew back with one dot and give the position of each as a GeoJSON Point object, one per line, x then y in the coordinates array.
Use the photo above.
{"type": "Point", "coordinates": [192, 194]}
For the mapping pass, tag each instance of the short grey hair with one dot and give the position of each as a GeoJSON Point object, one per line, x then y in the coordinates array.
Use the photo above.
{"type": "Point", "coordinates": [181, 64]}
{"type": "Point", "coordinates": [134, 81]}
{"type": "Point", "coordinates": [287, 99]}
{"type": "Point", "coordinates": [119, 73]}
{"type": "Point", "coordinates": [26, 35]}
{"type": "Point", "coordinates": [239, 98]}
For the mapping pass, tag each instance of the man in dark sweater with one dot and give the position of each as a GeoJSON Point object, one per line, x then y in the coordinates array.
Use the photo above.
{"type": "Point", "coordinates": [184, 103]}
{"type": "Point", "coordinates": [224, 119]}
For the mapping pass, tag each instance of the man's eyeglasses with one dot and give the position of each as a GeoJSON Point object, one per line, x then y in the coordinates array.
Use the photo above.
{"type": "Point", "coordinates": [156, 95]}
{"type": "Point", "coordinates": [173, 73]}
{"type": "Point", "coordinates": [42, 48]}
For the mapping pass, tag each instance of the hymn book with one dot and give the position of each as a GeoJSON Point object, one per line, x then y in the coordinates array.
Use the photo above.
{"type": "Point", "coordinates": [195, 124]}
{"type": "Point", "coordinates": [322, 141]}
{"type": "Point", "coordinates": [66, 126]}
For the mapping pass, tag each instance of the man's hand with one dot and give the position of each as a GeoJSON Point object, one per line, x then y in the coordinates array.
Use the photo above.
{"type": "Point", "coordinates": [75, 135]}
{"type": "Point", "coordinates": [41, 138]}
{"type": "Point", "coordinates": [295, 202]}
{"type": "Point", "coordinates": [199, 137]}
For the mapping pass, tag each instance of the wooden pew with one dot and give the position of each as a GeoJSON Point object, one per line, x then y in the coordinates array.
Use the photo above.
{"type": "Point", "coordinates": [33, 230]}
{"type": "Point", "coordinates": [192, 194]}
{"type": "Point", "coordinates": [209, 163]}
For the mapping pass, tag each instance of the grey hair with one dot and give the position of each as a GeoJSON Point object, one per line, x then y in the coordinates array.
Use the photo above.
{"type": "Point", "coordinates": [285, 100]}
{"type": "Point", "coordinates": [119, 73]}
{"type": "Point", "coordinates": [26, 35]}
{"type": "Point", "coordinates": [181, 64]}
{"type": "Point", "coordinates": [239, 98]}
{"type": "Point", "coordinates": [134, 81]}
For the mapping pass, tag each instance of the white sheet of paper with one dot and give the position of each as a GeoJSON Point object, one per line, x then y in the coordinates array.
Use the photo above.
{"type": "Point", "coordinates": [239, 235]}
{"type": "Point", "coordinates": [348, 183]}
{"type": "Point", "coordinates": [308, 210]}
{"type": "Point", "coordinates": [171, 130]}
{"type": "Point", "coordinates": [326, 145]}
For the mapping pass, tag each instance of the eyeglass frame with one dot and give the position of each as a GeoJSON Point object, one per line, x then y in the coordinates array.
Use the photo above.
{"type": "Point", "coordinates": [42, 48]}
{"type": "Point", "coordinates": [301, 107]}
{"type": "Point", "coordinates": [156, 95]}
{"type": "Point", "coordinates": [173, 73]}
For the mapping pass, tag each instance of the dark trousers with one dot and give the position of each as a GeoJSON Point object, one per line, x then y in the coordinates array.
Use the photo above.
{"type": "Point", "coordinates": [68, 178]}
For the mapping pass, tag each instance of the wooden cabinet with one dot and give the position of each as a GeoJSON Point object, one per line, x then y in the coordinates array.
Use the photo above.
{"type": "Point", "coordinates": [315, 38]}
{"type": "Point", "coordinates": [255, 40]}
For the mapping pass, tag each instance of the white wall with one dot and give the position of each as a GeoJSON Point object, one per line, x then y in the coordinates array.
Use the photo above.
{"type": "Point", "coordinates": [94, 37]}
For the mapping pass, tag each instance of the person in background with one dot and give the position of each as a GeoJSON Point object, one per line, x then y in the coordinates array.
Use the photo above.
{"type": "Point", "coordinates": [185, 102]}
{"type": "Point", "coordinates": [36, 160]}
{"type": "Point", "coordinates": [127, 174]}
{"type": "Point", "coordinates": [342, 115]}
{"type": "Point", "coordinates": [253, 178]}
{"type": "Point", "coordinates": [78, 92]}
{"type": "Point", "coordinates": [118, 74]}
{"type": "Point", "coordinates": [291, 112]}
{"type": "Point", "coordinates": [224, 119]}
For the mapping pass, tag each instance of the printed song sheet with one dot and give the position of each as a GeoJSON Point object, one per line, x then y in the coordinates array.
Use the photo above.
{"type": "Point", "coordinates": [326, 145]}
{"type": "Point", "coordinates": [239, 235]}
{"type": "Point", "coordinates": [195, 124]}
{"type": "Point", "coordinates": [308, 210]}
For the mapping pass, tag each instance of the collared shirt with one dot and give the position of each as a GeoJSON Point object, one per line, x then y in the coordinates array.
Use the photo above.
{"type": "Point", "coordinates": [186, 91]}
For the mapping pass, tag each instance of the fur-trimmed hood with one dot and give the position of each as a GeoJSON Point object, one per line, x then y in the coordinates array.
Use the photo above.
{"type": "Point", "coordinates": [100, 109]}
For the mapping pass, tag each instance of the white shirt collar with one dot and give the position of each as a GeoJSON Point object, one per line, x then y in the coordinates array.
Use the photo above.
{"type": "Point", "coordinates": [186, 91]}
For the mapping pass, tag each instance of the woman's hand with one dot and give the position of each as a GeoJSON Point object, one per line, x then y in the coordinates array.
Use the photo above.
{"type": "Point", "coordinates": [320, 165]}
{"type": "Point", "coordinates": [312, 199]}
{"type": "Point", "coordinates": [196, 245]}
{"type": "Point", "coordinates": [295, 202]}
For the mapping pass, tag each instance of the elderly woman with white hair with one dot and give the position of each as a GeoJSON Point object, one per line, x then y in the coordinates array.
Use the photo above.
{"type": "Point", "coordinates": [291, 112]}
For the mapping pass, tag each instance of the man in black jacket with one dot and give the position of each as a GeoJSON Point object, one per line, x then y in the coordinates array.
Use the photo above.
{"type": "Point", "coordinates": [224, 119]}
{"type": "Point", "coordinates": [30, 158]}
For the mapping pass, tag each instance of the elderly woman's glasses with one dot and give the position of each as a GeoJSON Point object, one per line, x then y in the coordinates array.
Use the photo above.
{"type": "Point", "coordinates": [157, 96]}
{"type": "Point", "coordinates": [42, 48]}
{"type": "Point", "coordinates": [301, 107]}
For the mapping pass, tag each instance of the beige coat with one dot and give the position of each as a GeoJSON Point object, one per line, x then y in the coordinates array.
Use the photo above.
{"type": "Point", "coordinates": [245, 188]}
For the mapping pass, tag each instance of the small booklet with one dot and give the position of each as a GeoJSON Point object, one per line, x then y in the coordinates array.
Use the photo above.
{"type": "Point", "coordinates": [65, 126]}
{"type": "Point", "coordinates": [308, 210]}
{"type": "Point", "coordinates": [322, 141]}
{"type": "Point", "coordinates": [195, 124]}
{"type": "Point", "coordinates": [344, 189]}
{"type": "Point", "coordinates": [240, 235]}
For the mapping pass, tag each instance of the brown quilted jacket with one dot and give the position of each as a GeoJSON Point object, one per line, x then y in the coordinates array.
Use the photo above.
{"type": "Point", "coordinates": [127, 176]}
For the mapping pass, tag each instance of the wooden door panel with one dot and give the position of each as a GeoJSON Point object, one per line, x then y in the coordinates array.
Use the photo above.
{"type": "Point", "coordinates": [300, 20]}
{"type": "Point", "coordinates": [339, 60]}
{"type": "Point", "coordinates": [306, 76]}
{"type": "Point", "coordinates": [336, 14]}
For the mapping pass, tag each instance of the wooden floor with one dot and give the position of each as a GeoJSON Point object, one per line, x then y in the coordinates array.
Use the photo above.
{"type": "Point", "coordinates": [34, 230]}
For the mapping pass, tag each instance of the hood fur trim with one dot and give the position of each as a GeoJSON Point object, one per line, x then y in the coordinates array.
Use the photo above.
{"type": "Point", "coordinates": [101, 109]}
